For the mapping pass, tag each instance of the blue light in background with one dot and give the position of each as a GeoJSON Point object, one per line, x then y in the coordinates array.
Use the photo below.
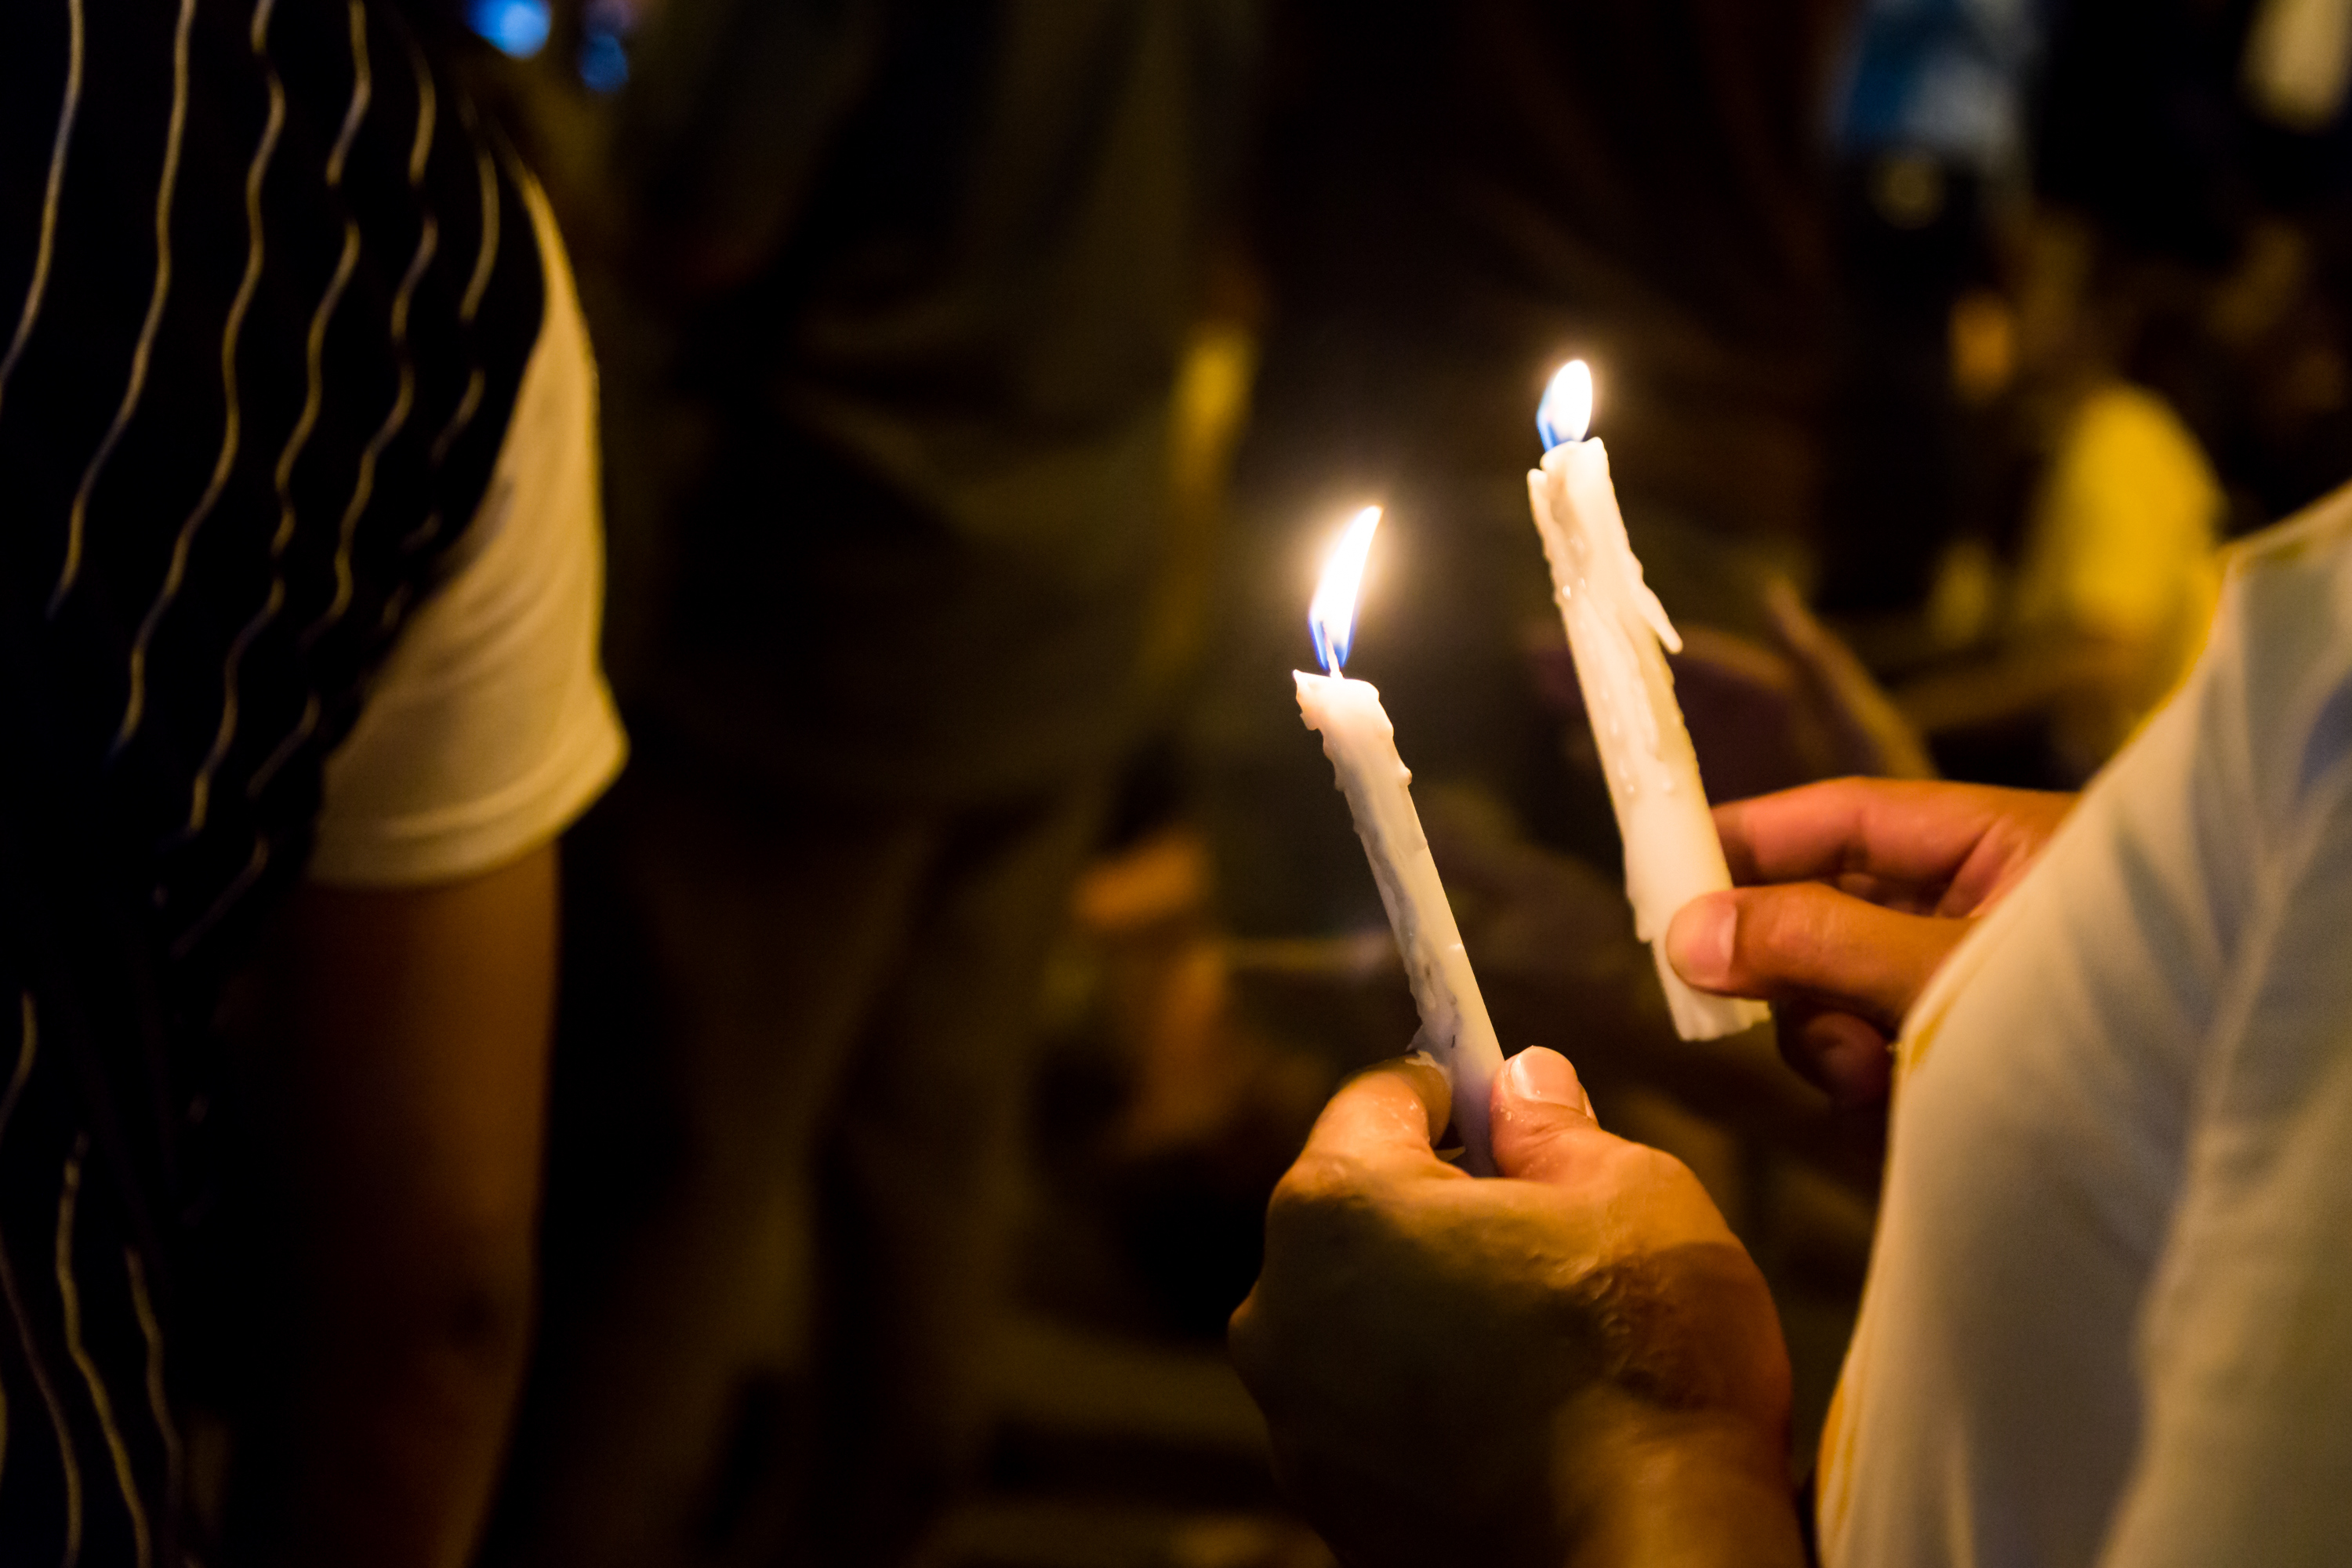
{"type": "Point", "coordinates": [605, 30]}
{"type": "Point", "coordinates": [519, 27]}
{"type": "Point", "coordinates": [603, 62]}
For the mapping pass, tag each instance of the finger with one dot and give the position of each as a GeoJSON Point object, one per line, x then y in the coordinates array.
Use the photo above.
{"type": "Point", "coordinates": [1900, 830]}
{"type": "Point", "coordinates": [1543, 1119]}
{"type": "Point", "coordinates": [1844, 1056]}
{"type": "Point", "coordinates": [1806, 941]}
{"type": "Point", "coordinates": [1388, 1115]}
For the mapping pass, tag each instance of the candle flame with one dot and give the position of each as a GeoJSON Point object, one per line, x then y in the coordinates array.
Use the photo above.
{"type": "Point", "coordinates": [1566, 411]}
{"type": "Point", "coordinates": [1331, 617]}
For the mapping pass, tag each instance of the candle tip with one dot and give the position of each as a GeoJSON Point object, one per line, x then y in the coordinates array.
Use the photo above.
{"type": "Point", "coordinates": [1331, 617]}
{"type": "Point", "coordinates": [1566, 411]}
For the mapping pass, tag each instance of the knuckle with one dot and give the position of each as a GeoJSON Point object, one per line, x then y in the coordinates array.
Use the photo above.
{"type": "Point", "coordinates": [1650, 1177]}
{"type": "Point", "coordinates": [1760, 936]}
{"type": "Point", "coordinates": [1551, 1144]}
{"type": "Point", "coordinates": [1246, 1335]}
{"type": "Point", "coordinates": [1791, 928]}
{"type": "Point", "coordinates": [1635, 1165]}
{"type": "Point", "coordinates": [1324, 1209]}
{"type": "Point", "coordinates": [1315, 1189]}
{"type": "Point", "coordinates": [1302, 1188]}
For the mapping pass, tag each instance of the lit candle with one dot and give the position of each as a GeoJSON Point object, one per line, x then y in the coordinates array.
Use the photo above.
{"type": "Point", "coordinates": [1616, 627]}
{"type": "Point", "coordinates": [1361, 745]}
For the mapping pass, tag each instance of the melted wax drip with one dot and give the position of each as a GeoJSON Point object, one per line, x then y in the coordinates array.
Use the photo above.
{"type": "Point", "coordinates": [1613, 638]}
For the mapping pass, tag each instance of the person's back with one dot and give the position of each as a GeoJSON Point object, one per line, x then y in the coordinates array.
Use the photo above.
{"type": "Point", "coordinates": [272, 299]}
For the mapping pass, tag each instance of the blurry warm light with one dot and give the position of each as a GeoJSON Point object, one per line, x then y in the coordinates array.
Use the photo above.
{"type": "Point", "coordinates": [1566, 412]}
{"type": "Point", "coordinates": [1983, 346]}
{"type": "Point", "coordinates": [1331, 617]}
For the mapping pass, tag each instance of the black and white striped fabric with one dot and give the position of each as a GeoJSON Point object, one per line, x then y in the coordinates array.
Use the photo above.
{"type": "Point", "coordinates": [266, 292]}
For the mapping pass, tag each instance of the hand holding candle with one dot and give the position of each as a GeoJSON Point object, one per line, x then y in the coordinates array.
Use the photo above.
{"type": "Point", "coordinates": [1361, 745]}
{"type": "Point", "coordinates": [1616, 627]}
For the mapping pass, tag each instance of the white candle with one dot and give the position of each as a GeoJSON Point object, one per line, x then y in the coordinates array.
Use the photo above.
{"type": "Point", "coordinates": [1361, 745]}
{"type": "Point", "coordinates": [1616, 627]}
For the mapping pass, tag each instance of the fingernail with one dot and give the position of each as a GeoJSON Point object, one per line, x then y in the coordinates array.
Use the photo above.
{"type": "Point", "coordinates": [1698, 939]}
{"type": "Point", "coordinates": [1546, 1078]}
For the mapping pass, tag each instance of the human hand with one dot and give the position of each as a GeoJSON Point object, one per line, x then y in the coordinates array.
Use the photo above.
{"type": "Point", "coordinates": [1574, 1363]}
{"type": "Point", "coordinates": [1852, 894]}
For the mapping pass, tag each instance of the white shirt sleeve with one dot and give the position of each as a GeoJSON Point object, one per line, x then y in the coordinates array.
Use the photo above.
{"type": "Point", "coordinates": [489, 728]}
{"type": "Point", "coordinates": [2245, 1344]}
{"type": "Point", "coordinates": [2109, 1314]}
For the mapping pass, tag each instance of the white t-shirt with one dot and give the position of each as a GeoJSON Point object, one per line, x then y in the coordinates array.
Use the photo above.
{"type": "Point", "coordinates": [490, 726]}
{"type": "Point", "coordinates": [2109, 1312]}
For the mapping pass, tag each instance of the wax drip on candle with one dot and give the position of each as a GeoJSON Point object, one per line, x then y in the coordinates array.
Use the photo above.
{"type": "Point", "coordinates": [1608, 593]}
{"type": "Point", "coordinates": [1361, 743]}
{"type": "Point", "coordinates": [1620, 635]}
{"type": "Point", "coordinates": [1562, 418]}
{"type": "Point", "coordinates": [1331, 617]}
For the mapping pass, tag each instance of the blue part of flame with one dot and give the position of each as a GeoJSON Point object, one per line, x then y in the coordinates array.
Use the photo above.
{"type": "Point", "coordinates": [1331, 617]}
{"type": "Point", "coordinates": [1558, 420]}
{"type": "Point", "coordinates": [1332, 652]}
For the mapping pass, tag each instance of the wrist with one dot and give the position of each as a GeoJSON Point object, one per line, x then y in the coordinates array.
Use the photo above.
{"type": "Point", "coordinates": [1644, 1487]}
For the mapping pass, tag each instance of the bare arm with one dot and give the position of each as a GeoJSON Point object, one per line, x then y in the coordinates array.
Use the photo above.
{"type": "Point", "coordinates": [399, 1084]}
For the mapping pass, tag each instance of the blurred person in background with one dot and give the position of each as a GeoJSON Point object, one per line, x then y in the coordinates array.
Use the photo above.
{"type": "Point", "coordinates": [1929, 151]}
{"type": "Point", "coordinates": [2148, 359]}
{"type": "Point", "coordinates": [298, 599]}
{"type": "Point", "coordinates": [897, 305]}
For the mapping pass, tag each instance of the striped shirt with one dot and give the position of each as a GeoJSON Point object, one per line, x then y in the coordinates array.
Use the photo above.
{"type": "Point", "coordinates": [266, 292]}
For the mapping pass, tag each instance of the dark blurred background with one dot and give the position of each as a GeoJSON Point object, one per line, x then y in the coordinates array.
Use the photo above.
{"type": "Point", "coordinates": [978, 932]}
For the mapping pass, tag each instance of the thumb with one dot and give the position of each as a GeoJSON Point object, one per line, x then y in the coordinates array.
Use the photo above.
{"type": "Point", "coordinates": [1542, 1118]}
{"type": "Point", "coordinates": [1808, 942]}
